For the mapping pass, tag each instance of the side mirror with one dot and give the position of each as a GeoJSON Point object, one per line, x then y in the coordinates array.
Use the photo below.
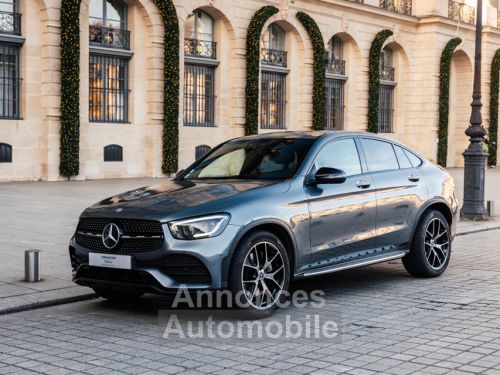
{"type": "Point", "coordinates": [329, 176]}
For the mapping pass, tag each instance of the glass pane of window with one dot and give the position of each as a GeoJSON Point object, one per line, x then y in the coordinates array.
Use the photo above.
{"type": "Point", "coordinates": [204, 26]}
{"type": "Point", "coordinates": [96, 10]}
{"type": "Point", "coordinates": [335, 48]}
{"type": "Point", "coordinates": [199, 97]}
{"type": "Point", "coordinates": [414, 159]}
{"type": "Point", "coordinates": [402, 158]}
{"type": "Point", "coordinates": [380, 155]}
{"type": "Point", "coordinates": [115, 14]}
{"type": "Point", "coordinates": [189, 28]}
{"type": "Point", "coordinates": [9, 80]}
{"type": "Point", "coordinates": [334, 104]}
{"type": "Point", "coordinates": [386, 58]}
{"type": "Point", "coordinates": [108, 89]}
{"type": "Point", "coordinates": [341, 154]}
{"type": "Point", "coordinates": [273, 101]}
{"type": "Point", "coordinates": [276, 37]}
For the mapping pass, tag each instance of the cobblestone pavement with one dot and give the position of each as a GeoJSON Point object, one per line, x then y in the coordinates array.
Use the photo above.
{"type": "Point", "coordinates": [390, 323]}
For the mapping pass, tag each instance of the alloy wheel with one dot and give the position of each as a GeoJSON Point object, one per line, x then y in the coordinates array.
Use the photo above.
{"type": "Point", "coordinates": [263, 275]}
{"type": "Point", "coordinates": [437, 243]}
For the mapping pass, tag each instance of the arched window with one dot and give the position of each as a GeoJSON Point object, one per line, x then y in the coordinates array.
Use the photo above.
{"type": "Point", "coordinates": [199, 70]}
{"type": "Point", "coordinates": [386, 91]}
{"type": "Point", "coordinates": [334, 84]}
{"type": "Point", "coordinates": [108, 72]}
{"type": "Point", "coordinates": [113, 153]}
{"type": "Point", "coordinates": [5, 153]}
{"type": "Point", "coordinates": [273, 59]}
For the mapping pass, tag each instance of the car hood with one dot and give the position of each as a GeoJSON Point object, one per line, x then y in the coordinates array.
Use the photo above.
{"type": "Point", "coordinates": [172, 199]}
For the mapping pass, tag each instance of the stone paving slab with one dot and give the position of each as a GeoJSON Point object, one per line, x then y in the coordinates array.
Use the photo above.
{"type": "Point", "coordinates": [390, 323]}
{"type": "Point", "coordinates": [43, 215]}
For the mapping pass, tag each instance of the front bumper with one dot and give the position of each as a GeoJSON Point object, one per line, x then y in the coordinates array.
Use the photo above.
{"type": "Point", "coordinates": [197, 264]}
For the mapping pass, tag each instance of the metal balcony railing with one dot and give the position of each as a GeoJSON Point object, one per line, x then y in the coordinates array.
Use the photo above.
{"type": "Point", "coordinates": [109, 37]}
{"type": "Point", "coordinates": [335, 66]}
{"type": "Point", "coordinates": [273, 57]}
{"type": "Point", "coordinates": [200, 48]}
{"type": "Point", "coordinates": [461, 12]}
{"type": "Point", "coordinates": [397, 6]}
{"type": "Point", "coordinates": [10, 23]}
{"type": "Point", "coordinates": [386, 73]}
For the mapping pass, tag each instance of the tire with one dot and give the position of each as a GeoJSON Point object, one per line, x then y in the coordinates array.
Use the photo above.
{"type": "Point", "coordinates": [249, 264]}
{"type": "Point", "coordinates": [117, 295]}
{"type": "Point", "coordinates": [431, 246]}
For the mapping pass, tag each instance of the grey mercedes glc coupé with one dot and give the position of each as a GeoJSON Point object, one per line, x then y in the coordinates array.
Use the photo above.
{"type": "Point", "coordinates": [257, 212]}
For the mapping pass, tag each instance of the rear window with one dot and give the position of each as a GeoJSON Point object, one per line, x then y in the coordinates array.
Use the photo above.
{"type": "Point", "coordinates": [414, 159]}
{"type": "Point", "coordinates": [380, 155]}
{"type": "Point", "coordinates": [403, 160]}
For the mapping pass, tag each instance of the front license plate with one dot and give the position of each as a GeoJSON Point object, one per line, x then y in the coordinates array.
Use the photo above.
{"type": "Point", "coordinates": [110, 261]}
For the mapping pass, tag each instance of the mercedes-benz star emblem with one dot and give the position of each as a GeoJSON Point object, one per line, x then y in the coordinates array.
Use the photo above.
{"type": "Point", "coordinates": [111, 235]}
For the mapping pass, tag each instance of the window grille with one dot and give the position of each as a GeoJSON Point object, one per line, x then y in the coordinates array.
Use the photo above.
{"type": "Point", "coordinates": [113, 153]}
{"type": "Point", "coordinates": [5, 153]}
{"type": "Point", "coordinates": [386, 109]}
{"type": "Point", "coordinates": [334, 104]}
{"type": "Point", "coordinates": [199, 96]}
{"type": "Point", "coordinates": [273, 100]}
{"type": "Point", "coordinates": [108, 89]}
{"type": "Point", "coordinates": [9, 81]}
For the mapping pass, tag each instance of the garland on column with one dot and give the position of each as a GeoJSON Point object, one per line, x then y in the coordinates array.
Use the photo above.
{"type": "Point", "coordinates": [69, 159]}
{"type": "Point", "coordinates": [70, 87]}
{"type": "Point", "coordinates": [318, 98]}
{"type": "Point", "coordinates": [253, 63]}
{"type": "Point", "coordinates": [444, 99]}
{"type": "Point", "coordinates": [374, 79]}
{"type": "Point", "coordinates": [493, 128]}
{"type": "Point", "coordinates": [170, 85]}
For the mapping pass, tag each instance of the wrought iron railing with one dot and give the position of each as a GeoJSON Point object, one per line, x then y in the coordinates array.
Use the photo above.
{"type": "Point", "coordinates": [335, 66]}
{"type": "Point", "coordinates": [109, 37]}
{"type": "Point", "coordinates": [200, 48]}
{"type": "Point", "coordinates": [10, 23]}
{"type": "Point", "coordinates": [461, 12]}
{"type": "Point", "coordinates": [386, 73]}
{"type": "Point", "coordinates": [397, 6]}
{"type": "Point", "coordinates": [273, 57]}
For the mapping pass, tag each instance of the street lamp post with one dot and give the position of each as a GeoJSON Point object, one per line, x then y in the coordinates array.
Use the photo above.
{"type": "Point", "coordinates": [475, 157]}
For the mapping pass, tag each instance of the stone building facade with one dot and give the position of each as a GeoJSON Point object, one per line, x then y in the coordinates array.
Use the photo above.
{"type": "Point", "coordinates": [121, 77]}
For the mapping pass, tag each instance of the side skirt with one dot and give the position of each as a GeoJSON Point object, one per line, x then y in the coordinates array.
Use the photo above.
{"type": "Point", "coordinates": [353, 264]}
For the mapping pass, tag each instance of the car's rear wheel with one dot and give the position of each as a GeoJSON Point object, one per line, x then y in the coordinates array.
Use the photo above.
{"type": "Point", "coordinates": [431, 247]}
{"type": "Point", "coordinates": [117, 295]}
{"type": "Point", "coordinates": [260, 272]}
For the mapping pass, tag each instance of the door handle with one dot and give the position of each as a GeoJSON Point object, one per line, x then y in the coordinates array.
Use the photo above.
{"type": "Point", "coordinates": [414, 178]}
{"type": "Point", "coordinates": [363, 184]}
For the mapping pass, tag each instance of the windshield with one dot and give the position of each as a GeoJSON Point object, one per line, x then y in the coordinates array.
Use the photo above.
{"type": "Point", "coordinates": [253, 159]}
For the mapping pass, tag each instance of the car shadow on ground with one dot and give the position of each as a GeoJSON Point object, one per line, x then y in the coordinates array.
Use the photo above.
{"type": "Point", "coordinates": [379, 278]}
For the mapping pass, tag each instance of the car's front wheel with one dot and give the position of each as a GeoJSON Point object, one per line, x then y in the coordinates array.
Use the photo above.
{"type": "Point", "coordinates": [260, 272]}
{"type": "Point", "coordinates": [431, 247]}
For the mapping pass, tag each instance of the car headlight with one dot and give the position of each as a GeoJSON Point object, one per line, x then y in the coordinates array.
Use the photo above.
{"type": "Point", "coordinates": [200, 227]}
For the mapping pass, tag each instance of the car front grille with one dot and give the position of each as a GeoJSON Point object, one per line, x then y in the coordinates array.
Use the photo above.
{"type": "Point", "coordinates": [139, 236]}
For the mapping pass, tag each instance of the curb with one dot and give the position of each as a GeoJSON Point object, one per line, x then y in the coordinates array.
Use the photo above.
{"type": "Point", "coordinates": [53, 302]}
{"type": "Point", "coordinates": [473, 231]}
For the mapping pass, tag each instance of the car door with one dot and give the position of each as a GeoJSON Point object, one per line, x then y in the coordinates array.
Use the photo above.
{"type": "Point", "coordinates": [342, 216]}
{"type": "Point", "coordinates": [400, 191]}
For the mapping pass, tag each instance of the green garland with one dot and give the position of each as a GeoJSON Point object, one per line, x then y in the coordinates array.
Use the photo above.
{"type": "Point", "coordinates": [170, 85]}
{"type": "Point", "coordinates": [70, 87]}
{"type": "Point", "coordinates": [444, 99]}
{"type": "Point", "coordinates": [318, 99]}
{"type": "Point", "coordinates": [493, 128]}
{"type": "Point", "coordinates": [69, 160]}
{"type": "Point", "coordinates": [374, 79]}
{"type": "Point", "coordinates": [253, 63]}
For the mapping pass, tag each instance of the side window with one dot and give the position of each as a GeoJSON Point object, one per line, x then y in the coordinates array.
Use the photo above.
{"type": "Point", "coordinates": [403, 160]}
{"type": "Point", "coordinates": [341, 154]}
{"type": "Point", "coordinates": [380, 155]}
{"type": "Point", "coordinates": [414, 159]}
